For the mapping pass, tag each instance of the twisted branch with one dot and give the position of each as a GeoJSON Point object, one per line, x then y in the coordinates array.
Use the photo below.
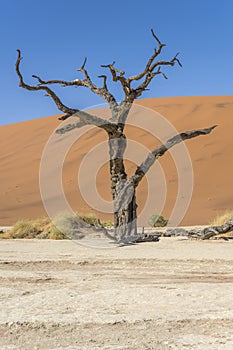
{"type": "Point", "coordinates": [49, 92]}
{"type": "Point", "coordinates": [118, 75]}
{"type": "Point", "coordinates": [88, 119]}
{"type": "Point", "coordinates": [84, 118]}
{"type": "Point", "coordinates": [103, 92]}
{"type": "Point", "coordinates": [87, 82]}
{"type": "Point", "coordinates": [151, 59]}
{"type": "Point", "coordinates": [119, 112]}
{"type": "Point", "coordinates": [147, 74]}
{"type": "Point", "coordinates": [159, 151]}
{"type": "Point", "coordinates": [105, 80]}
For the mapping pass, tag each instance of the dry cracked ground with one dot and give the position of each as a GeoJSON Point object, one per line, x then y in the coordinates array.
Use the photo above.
{"type": "Point", "coordinates": [172, 294]}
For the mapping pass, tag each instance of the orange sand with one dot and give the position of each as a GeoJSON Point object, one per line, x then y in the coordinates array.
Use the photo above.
{"type": "Point", "coordinates": [22, 145]}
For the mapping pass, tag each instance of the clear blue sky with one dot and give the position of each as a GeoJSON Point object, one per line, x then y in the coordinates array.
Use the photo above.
{"type": "Point", "coordinates": [56, 35]}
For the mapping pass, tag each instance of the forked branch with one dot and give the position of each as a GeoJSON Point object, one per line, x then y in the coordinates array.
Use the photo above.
{"type": "Point", "coordinates": [119, 111]}
{"type": "Point", "coordinates": [119, 75]}
{"type": "Point", "coordinates": [84, 118]}
{"type": "Point", "coordinates": [88, 119]}
{"type": "Point", "coordinates": [41, 86]}
{"type": "Point", "coordinates": [159, 151]}
{"type": "Point", "coordinates": [149, 72]}
{"type": "Point", "coordinates": [102, 92]}
{"type": "Point", "coordinates": [151, 69]}
{"type": "Point", "coordinates": [87, 82]}
{"type": "Point", "coordinates": [151, 59]}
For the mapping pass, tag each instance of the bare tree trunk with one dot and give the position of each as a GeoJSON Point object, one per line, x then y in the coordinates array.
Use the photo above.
{"type": "Point", "coordinates": [123, 191]}
{"type": "Point", "coordinates": [125, 222]}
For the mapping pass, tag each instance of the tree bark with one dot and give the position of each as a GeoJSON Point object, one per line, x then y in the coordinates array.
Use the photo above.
{"type": "Point", "coordinates": [125, 222]}
{"type": "Point", "coordinates": [123, 190]}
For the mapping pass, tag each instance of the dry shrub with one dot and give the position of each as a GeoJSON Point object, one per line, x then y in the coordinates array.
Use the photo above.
{"type": "Point", "coordinates": [44, 228]}
{"type": "Point", "coordinates": [41, 228]}
{"type": "Point", "coordinates": [107, 224]}
{"type": "Point", "coordinates": [22, 229]}
{"type": "Point", "coordinates": [70, 224]}
{"type": "Point", "coordinates": [222, 218]}
{"type": "Point", "coordinates": [92, 219]}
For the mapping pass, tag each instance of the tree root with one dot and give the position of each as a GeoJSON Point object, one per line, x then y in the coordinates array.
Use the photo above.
{"type": "Point", "coordinates": [213, 232]}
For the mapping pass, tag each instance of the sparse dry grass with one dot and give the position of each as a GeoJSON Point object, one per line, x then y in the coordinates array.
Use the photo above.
{"type": "Point", "coordinates": [107, 224]}
{"type": "Point", "coordinates": [89, 218]}
{"type": "Point", "coordinates": [93, 220]}
{"type": "Point", "coordinates": [22, 229]}
{"type": "Point", "coordinates": [222, 218]}
{"type": "Point", "coordinates": [43, 228]}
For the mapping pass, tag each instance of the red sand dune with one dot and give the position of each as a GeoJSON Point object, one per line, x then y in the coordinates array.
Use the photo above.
{"type": "Point", "coordinates": [22, 145]}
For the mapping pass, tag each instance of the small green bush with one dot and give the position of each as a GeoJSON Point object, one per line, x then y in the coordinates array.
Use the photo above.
{"type": "Point", "coordinates": [157, 221]}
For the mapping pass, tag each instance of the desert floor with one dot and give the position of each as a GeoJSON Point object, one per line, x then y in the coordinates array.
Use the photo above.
{"type": "Point", "coordinates": [172, 294]}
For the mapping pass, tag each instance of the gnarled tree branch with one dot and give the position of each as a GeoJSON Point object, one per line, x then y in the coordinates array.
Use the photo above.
{"type": "Point", "coordinates": [119, 75]}
{"type": "Point", "coordinates": [150, 61]}
{"type": "Point", "coordinates": [88, 119]}
{"type": "Point", "coordinates": [147, 74]}
{"type": "Point", "coordinates": [84, 118]}
{"type": "Point", "coordinates": [159, 151]}
{"type": "Point", "coordinates": [103, 92]}
{"type": "Point", "coordinates": [119, 112]}
{"type": "Point", "coordinates": [40, 86]}
{"type": "Point", "coordinates": [87, 82]}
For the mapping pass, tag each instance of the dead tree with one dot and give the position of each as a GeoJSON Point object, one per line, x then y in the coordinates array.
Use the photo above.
{"type": "Point", "coordinates": [123, 188]}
